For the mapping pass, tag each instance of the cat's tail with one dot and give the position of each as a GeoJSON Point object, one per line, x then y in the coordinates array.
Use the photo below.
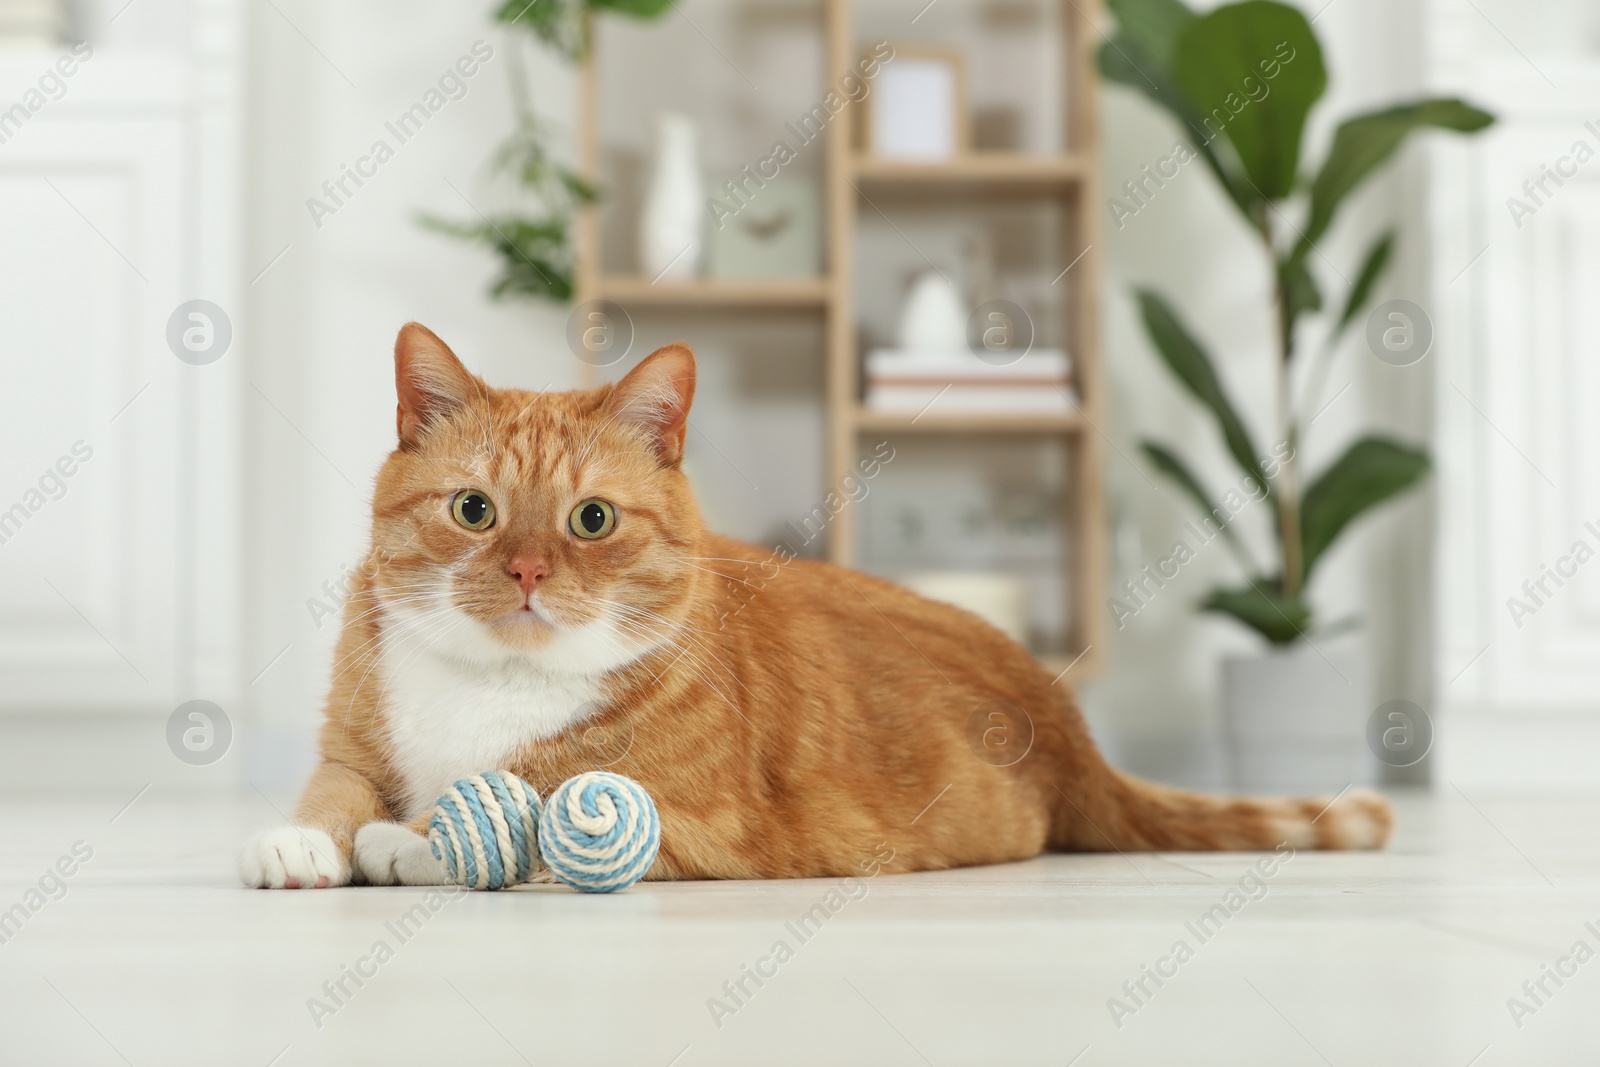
{"type": "Point", "coordinates": [1125, 813]}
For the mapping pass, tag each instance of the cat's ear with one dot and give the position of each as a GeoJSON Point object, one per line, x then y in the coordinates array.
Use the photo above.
{"type": "Point", "coordinates": [429, 381]}
{"type": "Point", "coordinates": [655, 397]}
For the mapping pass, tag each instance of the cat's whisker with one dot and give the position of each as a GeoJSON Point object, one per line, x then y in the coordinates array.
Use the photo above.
{"type": "Point", "coordinates": [698, 668]}
{"type": "Point", "coordinates": [386, 681]}
{"type": "Point", "coordinates": [421, 648]}
{"type": "Point", "coordinates": [393, 598]}
{"type": "Point", "coordinates": [686, 631]}
{"type": "Point", "coordinates": [693, 632]}
{"type": "Point", "coordinates": [408, 625]}
{"type": "Point", "coordinates": [373, 649]}
{"type": "Point", "coordinates": [700, 673]}
{"type": "Point", "coordinates": [652, 640]}
{"type": "Point", "coordinates": [719, 574]}
{"type": "Point", "coordinates": [390, 678]}
{"type": "Point", "coordinates": [630, 615]}
{"type": "Point", "coordinates": [379, 633]}
{"type": "Point", "coordinates": [416, 591]}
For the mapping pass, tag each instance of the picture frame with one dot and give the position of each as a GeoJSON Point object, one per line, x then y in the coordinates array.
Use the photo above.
{"type": "Point", "coordinates": [919, 109]}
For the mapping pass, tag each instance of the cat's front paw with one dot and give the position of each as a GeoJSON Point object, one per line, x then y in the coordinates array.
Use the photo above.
{"type": "Point", "coordinates": [390, 854]}
{"type": "Point", "coordinates": [293, 857]}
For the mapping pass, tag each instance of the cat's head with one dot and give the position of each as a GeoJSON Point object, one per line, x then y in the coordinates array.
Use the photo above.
{"type": "Point", "coordinates": [555, 526]}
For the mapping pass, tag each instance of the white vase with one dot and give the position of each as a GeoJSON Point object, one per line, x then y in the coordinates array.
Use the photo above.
{"type": "Point", "coordinates": [934, 318]}
{"type": "Point", "coordinates": [1295, 719]}
{"type": "Point", "coordinates": [672, 226]}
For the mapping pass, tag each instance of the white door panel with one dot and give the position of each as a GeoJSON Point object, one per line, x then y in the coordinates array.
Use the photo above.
{"type": "Point", "coordinates": [1517, 355]}
{"type": "Point", "coordinates": [94, 232]}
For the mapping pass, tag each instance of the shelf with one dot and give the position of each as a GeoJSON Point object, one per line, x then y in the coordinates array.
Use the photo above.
{"type": "Point", "coordinates": [714, 292]}
{"type": "Point", "coordinates": [1000, 171]}
{"type": "Point", "coordinates": [968, 422]}
{"type": "Point", "coordinates": [970, 187]}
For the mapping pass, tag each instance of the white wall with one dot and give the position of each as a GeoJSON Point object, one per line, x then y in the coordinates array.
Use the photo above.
{"type": "Point", "coordinates": [322, 319]}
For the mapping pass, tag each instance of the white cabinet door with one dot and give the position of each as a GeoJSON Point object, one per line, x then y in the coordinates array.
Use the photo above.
{"type": "Point", "coordinates": [119, 462]}
{"type": "Point", "coordinates": [91, 505]}
{"type": "Point", "coordinates": [1516, 222]}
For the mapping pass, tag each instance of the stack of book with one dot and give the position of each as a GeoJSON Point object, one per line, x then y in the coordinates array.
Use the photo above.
{"type": "Point", "coordinates": [899, 380]}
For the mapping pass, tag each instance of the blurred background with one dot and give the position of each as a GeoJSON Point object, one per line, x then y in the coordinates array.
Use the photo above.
{"type": "Point", "coordinates": [184, 486]}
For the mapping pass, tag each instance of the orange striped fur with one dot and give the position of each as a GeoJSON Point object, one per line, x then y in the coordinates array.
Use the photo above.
{"type": "Point", "coordinates": [790, 718]}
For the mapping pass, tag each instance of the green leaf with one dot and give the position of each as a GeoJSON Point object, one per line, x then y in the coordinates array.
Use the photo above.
{"type": "Point", "coordinates": [1153, 25]}
{"type": "Point", "coordinates": [1372, 269]}
{"type": "Point", "coordinates": [1169, 464]}
{"type": "Point", "coordinates": [1139, 57]}
{"type": "Point", "coordinates": [1121, 61]}
{"type": "Point", "coordinates": [580, 189]}
{"type": "Point", "coordinates": [535, 254]}
{"type": "Point", "coordinates": [1189, 362]}
{"type": "Point", "coordinates": [1300, 294]}
{"type": "Point", "coordinates": [1253, 71]}
{"type": "Point", "coordinates": [639, 9]}
{"type": "Point", "coordinates": [1363, 143]}
{"type": "Point", "coordinates": [559, 23]}
{"type": "Point", "coordinates": [1372, 471]}
{"type": "Point", "coordinates": [1263, 607]}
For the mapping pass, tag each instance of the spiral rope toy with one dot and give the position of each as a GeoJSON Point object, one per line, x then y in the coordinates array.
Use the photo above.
{"type": "Point", "coordinates": [486, 829]}
{"type": "Point", "coordinates": [599, 832]}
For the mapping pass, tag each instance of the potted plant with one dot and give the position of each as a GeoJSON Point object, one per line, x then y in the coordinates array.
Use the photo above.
{"type": "Point", "coordinates": [1241, 80]}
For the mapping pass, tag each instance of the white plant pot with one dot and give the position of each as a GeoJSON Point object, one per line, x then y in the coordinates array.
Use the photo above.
{"type": "Point", "coordinates": [1295, 719]}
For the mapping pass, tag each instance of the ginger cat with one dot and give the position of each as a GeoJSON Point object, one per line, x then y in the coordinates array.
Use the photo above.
{"type": "Point", "coordinates": [541, 596]}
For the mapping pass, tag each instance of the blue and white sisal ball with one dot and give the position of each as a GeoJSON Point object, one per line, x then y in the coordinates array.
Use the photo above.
{"type": "Point", "coordinates": [600, 832]}
{"type": "Point", "coordinates": [485, 831]}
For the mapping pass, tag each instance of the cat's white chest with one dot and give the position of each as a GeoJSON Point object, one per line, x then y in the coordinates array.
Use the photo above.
{"type": "Point", "coordinates": [449, 718]}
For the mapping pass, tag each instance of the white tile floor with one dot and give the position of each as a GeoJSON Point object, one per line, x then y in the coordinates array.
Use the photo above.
{"type": "Point", "coordinates": [155, 957]}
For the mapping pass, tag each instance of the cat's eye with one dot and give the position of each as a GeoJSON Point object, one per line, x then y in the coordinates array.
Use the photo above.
{"type": "Point", "coordinates": [473, 510]}
{"type": "Point", "coordinates": [593, 519]}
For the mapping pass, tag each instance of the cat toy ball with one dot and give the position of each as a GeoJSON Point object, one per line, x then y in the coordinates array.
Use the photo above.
{"type": "Point", "coordinates": [485, 831]}
{"type": "Point", "coordinates": [599, 832]}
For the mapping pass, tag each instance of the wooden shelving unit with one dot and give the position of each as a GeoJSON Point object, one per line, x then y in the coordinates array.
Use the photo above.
{"type": "Point", "coordinates": [713, 293]}
{"type": "Point", "coordinates": [869, 421]}
{"type": "Point", "coordinates": [1070, 178]}
{"type": "Point", "coordinates": [997, 171]}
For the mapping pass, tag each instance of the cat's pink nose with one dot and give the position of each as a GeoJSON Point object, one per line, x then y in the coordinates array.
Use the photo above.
{"type": "Point", "coordinates": [528, 571]}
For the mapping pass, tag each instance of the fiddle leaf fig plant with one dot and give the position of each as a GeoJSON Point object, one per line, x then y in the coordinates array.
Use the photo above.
{"type": "Point", "coordinates": [1241, 81]}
